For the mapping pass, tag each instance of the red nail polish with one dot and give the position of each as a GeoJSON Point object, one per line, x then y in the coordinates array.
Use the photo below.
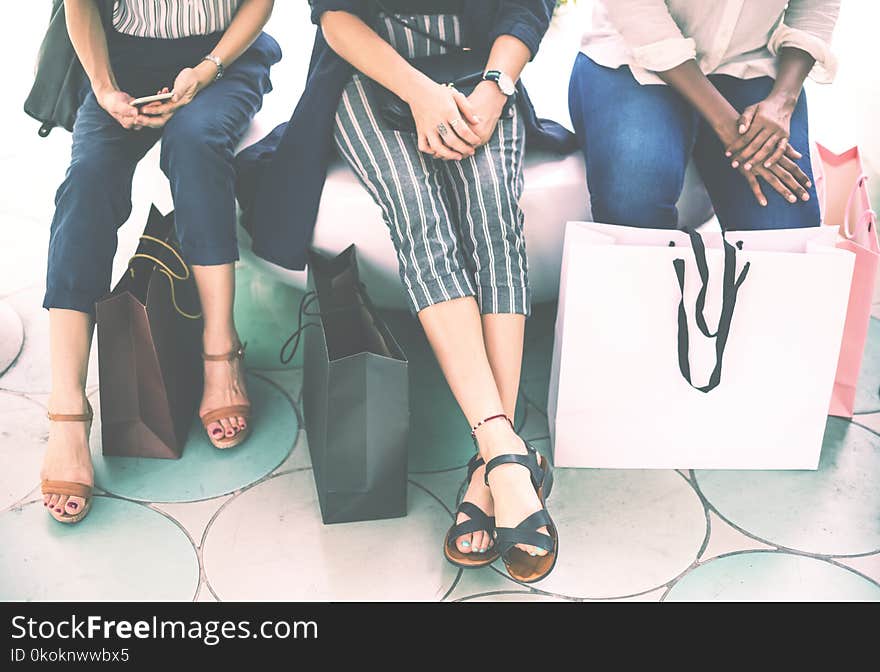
{"type": "Point", "coordinates": [73, 505]}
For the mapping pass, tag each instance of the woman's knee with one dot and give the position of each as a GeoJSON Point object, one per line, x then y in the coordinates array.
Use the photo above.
{"type": "Point", "coordinates": [97, 186]}
{"type": "Point", "coordinates": [632, 185]}
{"type": "Point", "coordinates": [189, 140]}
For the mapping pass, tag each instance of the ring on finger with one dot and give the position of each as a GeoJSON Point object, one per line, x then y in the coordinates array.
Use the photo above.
{"type": "Point", "coordinates": [442, 129]}
{"type": "Point", "coordinates": [454, 123]}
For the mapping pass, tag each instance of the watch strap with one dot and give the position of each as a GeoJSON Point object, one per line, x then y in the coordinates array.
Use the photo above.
{"type": "Point", "coordinates": [496, 76]}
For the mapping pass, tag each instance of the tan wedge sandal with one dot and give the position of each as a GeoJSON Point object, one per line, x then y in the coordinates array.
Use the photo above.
{"type": "Point", "coordinates": [70, 488]}
{"type": "Point", "coordinates": [238, 410]}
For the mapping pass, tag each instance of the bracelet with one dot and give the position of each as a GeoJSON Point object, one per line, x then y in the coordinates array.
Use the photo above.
{"type": "Point", "coordinates": [485, 420]}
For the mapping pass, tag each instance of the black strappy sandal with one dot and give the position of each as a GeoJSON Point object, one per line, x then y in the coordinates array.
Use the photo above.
{"type": "Point", "coordinates": [478, 522]}
{"type": "Point", "coordinates": [522, 566]}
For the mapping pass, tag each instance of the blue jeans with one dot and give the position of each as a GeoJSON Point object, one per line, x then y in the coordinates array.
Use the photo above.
{"type": "Point", "coordinates": [637, 141]}
{"type": "Point", "coordinates": [198, 145]}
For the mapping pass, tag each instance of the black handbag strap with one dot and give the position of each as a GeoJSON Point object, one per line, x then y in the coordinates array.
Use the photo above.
{"type": "Point", "coordinates": [732, 283]}
{"type": "Point", "coordinates": [424, 33]}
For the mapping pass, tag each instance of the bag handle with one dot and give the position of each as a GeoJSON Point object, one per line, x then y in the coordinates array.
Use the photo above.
{"type": "Point", "coordinates": [703, 269]}
{"type": "Point", "coordinates": [165, 270]}
{"type": "Point", "coordinates": [868, 217]}
{"type": "Point", "coordinates": [293, 341]}
{"type": "Point", "coordinates": [307, 300]}
{"type": "Point", "coordinates": [732, 283]}
{"type": "Point", "coordinates": [406, 24]}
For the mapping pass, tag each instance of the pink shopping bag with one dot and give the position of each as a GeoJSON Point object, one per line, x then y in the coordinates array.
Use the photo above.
{"type": "Point", "coordinates": [843, 197]}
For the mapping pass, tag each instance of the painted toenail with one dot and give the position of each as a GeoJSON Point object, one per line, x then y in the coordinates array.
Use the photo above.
{"type": "Point", "coordinates": [73, 505]}
{"type": "Point", "coordinates": [532, 553]}
{"type": "Point", "coordinates": [466, 544]}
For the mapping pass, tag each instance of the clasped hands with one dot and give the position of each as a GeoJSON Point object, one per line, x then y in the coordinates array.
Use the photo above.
{"type": "Point", "coordinates": [757, 145]}
{"type": "Point", "coordinates": [451, 126]}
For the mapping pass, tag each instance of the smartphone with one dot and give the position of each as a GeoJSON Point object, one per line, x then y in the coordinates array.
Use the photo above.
{"type": "Point", "coordinates": [152, 99]}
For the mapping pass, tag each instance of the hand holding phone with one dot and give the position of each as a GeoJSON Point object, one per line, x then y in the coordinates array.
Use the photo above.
{"type": "Point", "coordinates": [159, 97]}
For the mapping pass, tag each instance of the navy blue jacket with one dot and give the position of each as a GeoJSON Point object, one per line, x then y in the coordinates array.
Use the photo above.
{"type": "Point", "coordinates": [280, 178]}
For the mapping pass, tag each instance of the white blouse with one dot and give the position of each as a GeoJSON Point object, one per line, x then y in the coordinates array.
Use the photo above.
{"type": "Point", "coordinates": [731, 37]}
{"type": "Point", "coordinates": [172, 19]}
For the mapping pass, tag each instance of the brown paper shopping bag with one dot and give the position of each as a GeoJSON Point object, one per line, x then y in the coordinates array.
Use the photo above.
{"type": "Point", "coordinates": [149, 350]}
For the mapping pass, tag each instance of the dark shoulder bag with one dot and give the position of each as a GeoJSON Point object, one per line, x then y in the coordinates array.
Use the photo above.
{"type": "Point", "coordinates": [60, 81]}
{"type": "Point", "coordinates": [460, 67]}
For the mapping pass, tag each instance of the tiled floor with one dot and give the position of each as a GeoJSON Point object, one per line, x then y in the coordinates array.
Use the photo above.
{"type": "Point", "coordinates": [245, 525]}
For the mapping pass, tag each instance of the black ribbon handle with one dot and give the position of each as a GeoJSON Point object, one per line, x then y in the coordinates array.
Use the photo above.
{"type": "Point", "coordinates": [731, 284]}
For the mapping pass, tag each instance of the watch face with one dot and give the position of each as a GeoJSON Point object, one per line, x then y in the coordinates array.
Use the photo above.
{"type": "Point", "coordinates": [505, 83]}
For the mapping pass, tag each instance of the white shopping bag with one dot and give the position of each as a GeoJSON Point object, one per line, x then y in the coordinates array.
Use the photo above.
{"type": "Point", "coordinates": [618, 397]}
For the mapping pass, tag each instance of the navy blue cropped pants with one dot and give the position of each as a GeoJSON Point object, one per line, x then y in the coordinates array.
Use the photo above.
{"type": "Point", "coordinates": [198, 146]}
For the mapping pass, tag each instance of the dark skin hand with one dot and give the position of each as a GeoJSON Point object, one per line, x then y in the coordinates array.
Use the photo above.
{"type": "Point", "coordinates": [764, 127]}
{"type": "Point", "coordinates": [784, 176]}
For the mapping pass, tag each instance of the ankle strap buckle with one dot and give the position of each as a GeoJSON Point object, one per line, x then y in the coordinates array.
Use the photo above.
{"type": "Point", "coordinates": [482, 422]}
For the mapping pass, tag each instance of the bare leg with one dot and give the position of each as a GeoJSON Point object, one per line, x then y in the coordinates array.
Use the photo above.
{"type": "Point", "coordinates": [224, 381]}
{"type": "Point", "coordinates": [455, 331]}
{"type": "Point", "coordinates": [503, 335]}
{"type": "Point", "coordinates": [67, 452]}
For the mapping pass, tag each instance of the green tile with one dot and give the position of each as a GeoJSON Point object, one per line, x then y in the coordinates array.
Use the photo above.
{"type": "Point", "coordinates": [203, 471]}
{"type": "Point", "coordinates": [767, 576]}
{"type": "Point", "coordinates": [266, 314]}
{"type": "Point", "coordinates": [831, 511]}
{"type": "Point", "coordinates": [439, 433]}
{"type": "Point", "coordinates": [121, 551]}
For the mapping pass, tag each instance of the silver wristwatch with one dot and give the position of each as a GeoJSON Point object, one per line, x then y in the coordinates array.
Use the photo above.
{"type": "Point", "coordinates": [503, 80]}
{"type": "Point", "coordinates": [216, 61]}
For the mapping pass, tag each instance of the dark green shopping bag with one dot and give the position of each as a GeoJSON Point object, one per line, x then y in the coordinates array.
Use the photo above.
{"type": "Point", "coordinates": [355, 396]}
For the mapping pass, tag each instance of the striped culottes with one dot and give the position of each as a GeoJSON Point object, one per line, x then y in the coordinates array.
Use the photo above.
{"type": "Point", "coordinates": [457, 225]}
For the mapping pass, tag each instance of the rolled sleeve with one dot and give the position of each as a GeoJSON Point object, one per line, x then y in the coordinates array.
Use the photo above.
{"type": "Point", "coordinates": [318, 7]}
{"type": "Point", "coordinates": [652, 35]}
{"type": "Point", "coordinates": [808, 25]}
{"type": "Point", "coordinates": [526, 20]}
{"type": "Point", "coordinates": [665, 54]}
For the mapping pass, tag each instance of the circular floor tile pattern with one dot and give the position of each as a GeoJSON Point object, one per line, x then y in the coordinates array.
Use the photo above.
{"type": "Point", "coordinates": [512, 596]}
{"type": "Point", "coordinates": [769, 576]}
{"type": "Point", "coordinates": [203, 471]}
{"type": "Point", "coordinates": [439, 433]}
{"type": "Point", "coordinates": [831, 511]}
{"type": "Point", "coordinates": [30, 372]}
{"type": "Point", "coordinates": [11, 336]}
{"type": "Point", "coordinates": [269, 543]}
{"type": "Point", "coordinates": [121, 551]}
{"type": "Point", "coordinates": [622, 532]}
{"type": "Point", "coordinates": [266, 313]}
{"type": "Point", "coordinates": [868, 388]}
{"type": "Point", "coordinates": [23, 434]}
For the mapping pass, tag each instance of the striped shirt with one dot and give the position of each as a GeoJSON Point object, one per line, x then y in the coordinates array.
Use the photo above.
{"type": "Point", "coordinates": [172, 19]}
